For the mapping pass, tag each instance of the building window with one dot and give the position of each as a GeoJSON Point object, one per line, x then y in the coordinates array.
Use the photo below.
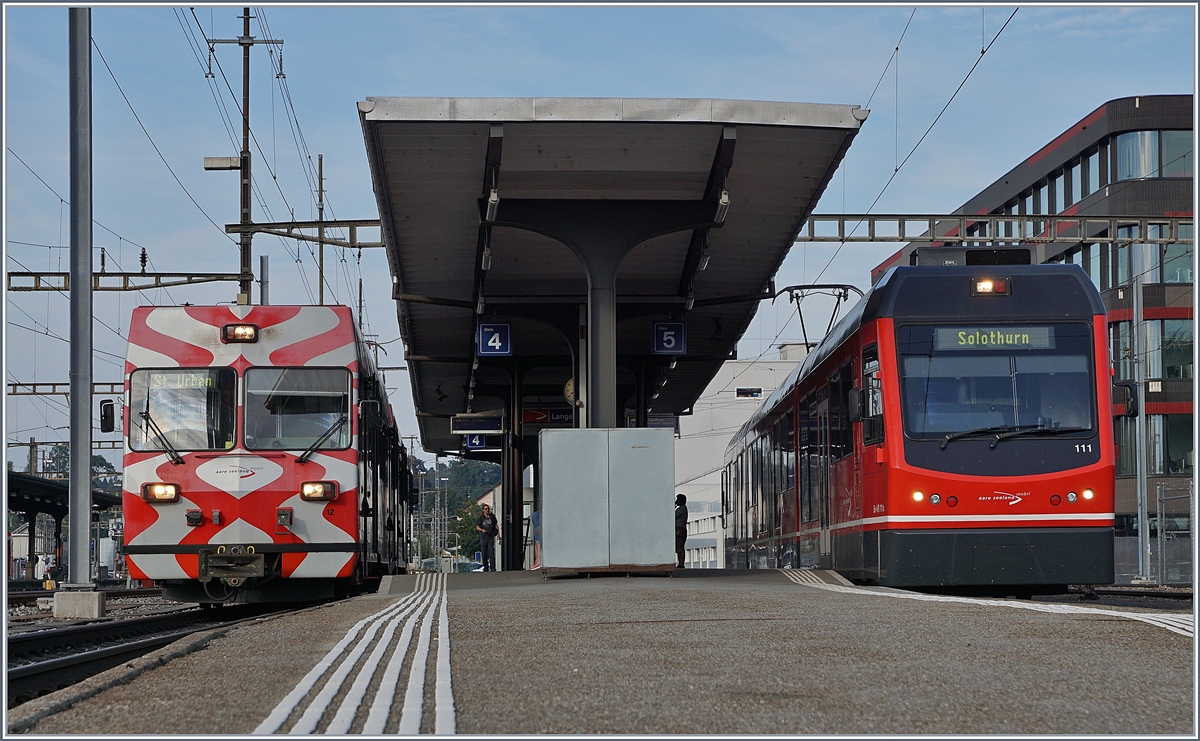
{"type": "Point", "coordinates": [1076, 182]}
{"type": "Point", "coordinates": [1060, 193]}
{"type": "Point", "coordinates": [1126, 460]}
{"type": "Point", "coordinates": [1177, 155]}
{"type": "Point", "coordinates": [1169, 443]}
{"type": "Point", "coordinates": [1093, 174]}
{"type": "Point", "coordinates": [1137, 155]}
{"type": "Point", "coordinates": [1177, 259]}
{"type": "Point", "coordinates": [1176, 353]}
{"type": "Point", "coordinates": [1121, 346]}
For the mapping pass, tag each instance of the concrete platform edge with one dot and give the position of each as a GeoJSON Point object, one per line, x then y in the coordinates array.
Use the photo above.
{"type": "Point", "coordinates": [26, 715]}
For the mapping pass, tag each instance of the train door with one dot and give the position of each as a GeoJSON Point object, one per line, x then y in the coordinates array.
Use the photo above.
{"type": "Point", "coordinates": [824, 459]}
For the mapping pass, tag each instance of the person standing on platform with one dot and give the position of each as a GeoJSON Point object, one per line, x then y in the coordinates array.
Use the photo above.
{"type": "Point", "coordinates": [681, 515]}
{"type": "Point", "coordinates": [489, 529]}
{"type": "Point", "coordinates": [536, 519]}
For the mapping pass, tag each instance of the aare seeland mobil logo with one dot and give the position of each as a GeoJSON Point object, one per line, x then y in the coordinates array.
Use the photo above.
{"type": "Point", "coordinates": [1004, 496]}
{"type": "Point", "coordinates": [239, 475]}
{"type": "Point", "coordinates": [242, 472]}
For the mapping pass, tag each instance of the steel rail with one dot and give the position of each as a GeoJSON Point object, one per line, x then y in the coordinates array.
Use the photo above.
{"type": "Point", "coordinates": [45, 661]}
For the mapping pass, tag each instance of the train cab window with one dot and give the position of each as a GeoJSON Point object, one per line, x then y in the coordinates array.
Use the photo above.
{"type": "Point", "coordinates": [872, 423]}
{"type": "Point", "coordinates": [183, 409]}
{"type": "Point", "coordinates": [960, 379]}
{"type": "Point", "coordinates": [297, 408]}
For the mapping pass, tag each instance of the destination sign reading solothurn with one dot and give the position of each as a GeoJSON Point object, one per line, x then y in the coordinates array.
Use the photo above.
{"type": "Point", "coordinates": [994, 338]}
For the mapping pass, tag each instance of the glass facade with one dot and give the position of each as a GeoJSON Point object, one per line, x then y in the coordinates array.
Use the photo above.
{"type": "Point", "coordinates": [1137, 155]}
{"type": "Point", "coordinates": [1177, 154]}
{"type": "Point", "coordinates": [1154, 154]}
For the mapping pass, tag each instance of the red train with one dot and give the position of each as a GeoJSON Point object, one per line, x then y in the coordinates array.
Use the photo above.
{"type": "Point", "coordinates": [262, 461]}
{"type": "Point", "coordinates": [951, 431]}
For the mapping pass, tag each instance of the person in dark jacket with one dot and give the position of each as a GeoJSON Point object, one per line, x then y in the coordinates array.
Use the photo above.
{"type": "Point", "coordinates": [489, 530]}
{"type": "Point", "coordinates": [681, 515]}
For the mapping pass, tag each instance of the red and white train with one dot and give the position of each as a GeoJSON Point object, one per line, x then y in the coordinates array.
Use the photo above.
{"type": "Point", "coordinates": [262, 461]}
{"type": "Point", "coordinates": [953, 430]}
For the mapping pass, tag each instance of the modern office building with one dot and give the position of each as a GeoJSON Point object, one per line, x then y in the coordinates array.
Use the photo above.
{"type": "Point", "coordinates": [1129, 157]}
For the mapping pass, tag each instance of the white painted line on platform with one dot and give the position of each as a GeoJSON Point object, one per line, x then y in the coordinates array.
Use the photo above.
{"type": "Point", "coordinates": [342, 721]}
{"type": "Point", "coordinates": [284, 709]}
{"type": "Point", "coordinates": [414, 697]}
{"type": "Point", "coordinates": [444, 720]}
{"type": "Point", "coordinates": [316, 709]}
{"type": "Point", "coordinates": [385, 695]}
{"type": "Point", "coordinates": [1183, 624]}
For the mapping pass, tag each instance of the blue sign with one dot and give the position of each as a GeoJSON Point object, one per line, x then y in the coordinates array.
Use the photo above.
{"type": "Point", "coordinates": [670, 338]}
{"type": "Point", "coordinates": [475, 442]}
{"type": "Point", "coordinates": [494, 340]}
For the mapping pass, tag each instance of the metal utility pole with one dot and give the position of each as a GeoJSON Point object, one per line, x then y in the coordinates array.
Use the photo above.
{"type": "Point", "coordinates": [244, 242]}
{"type": "Point", "coordinates": [80, 492]}
{"type": "Point", "coordinates": [264, 279]}
{"type": "Point", "coordinates": [1138, 342]}
{"type": "Point", "coordinates": [321, 229]}
{"type": "Point", "coordinates": [246, 280]}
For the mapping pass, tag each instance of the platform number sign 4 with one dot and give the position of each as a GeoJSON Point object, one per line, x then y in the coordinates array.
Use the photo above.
{"type": "Point", "coordinates": [670, 338]}
{"type": "Point", "coordinates": [477, 441]}
{"type": "Point", "coordinates": [495, 339]}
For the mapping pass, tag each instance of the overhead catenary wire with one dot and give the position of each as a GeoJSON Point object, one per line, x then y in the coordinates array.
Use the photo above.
{"type": "Point", "coordinates": [901, 164]}
{"type": "Point", "coordinates": [151, 139]}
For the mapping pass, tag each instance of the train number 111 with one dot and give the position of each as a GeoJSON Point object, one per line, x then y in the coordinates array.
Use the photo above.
{"type": "Point", "coordinates": [1083, 448]}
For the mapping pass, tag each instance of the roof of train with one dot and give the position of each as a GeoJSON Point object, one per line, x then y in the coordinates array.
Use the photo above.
{"type": "Point", "coordinates": [887, 298]}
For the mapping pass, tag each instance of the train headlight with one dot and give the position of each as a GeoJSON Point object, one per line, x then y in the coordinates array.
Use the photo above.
{"type": "Point", "coordinates": [158, 493]}
{"type": "Point", "coordinates": [934, 498]}
{"type": "Point", "coordinates": [1072, 496]}
{"type": "Point", "coordinates": [239, 333]}
{"type": "Point", "coordinates": [1088, 493]}
{"type": "Point", "coordinates": [918, 496]}
{"type": "Point", "coordinates": [313, 491]}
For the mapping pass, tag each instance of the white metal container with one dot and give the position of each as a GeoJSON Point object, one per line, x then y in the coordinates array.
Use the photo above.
{"type": "Point", "coordinates": [608, 499]}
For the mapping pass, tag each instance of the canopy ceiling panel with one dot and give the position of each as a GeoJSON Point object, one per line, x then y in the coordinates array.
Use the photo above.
{"type": "Point", "coordinates": [434, 160]}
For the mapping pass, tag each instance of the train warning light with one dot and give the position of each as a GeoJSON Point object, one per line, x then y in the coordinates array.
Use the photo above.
{"type": "Point", "coordinates": [239, 333]}
{"type": "Point", "coordinates": [951, 501]}
{"type": "Point", "coordinates": [1055, 500]}
{"type": "Point", "coordinates": [159, 492]}
{"type": "Point", "coordinates": [990, 287]}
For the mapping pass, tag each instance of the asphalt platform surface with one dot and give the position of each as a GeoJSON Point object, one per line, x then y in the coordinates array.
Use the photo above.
{"type": "Point", "coordinates": [702, 652]}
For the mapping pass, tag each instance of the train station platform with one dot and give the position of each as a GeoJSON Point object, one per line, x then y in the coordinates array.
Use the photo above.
{"type": "Point", "coordinates": [705, 651]}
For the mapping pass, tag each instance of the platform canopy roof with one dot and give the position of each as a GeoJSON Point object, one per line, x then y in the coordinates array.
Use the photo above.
{"type": "Point", "coordinates": [571, 173]}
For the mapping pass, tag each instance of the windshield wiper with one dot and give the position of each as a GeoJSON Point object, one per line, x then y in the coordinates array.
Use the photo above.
{"type": "Point", "coordinates": [317, 443]}
{"type": "Point", "coordinates": [162, 439]}
{"type": "Point", "coordinates": [986, 431]}
{"type": "Point", "coordinates": [1038, 430]}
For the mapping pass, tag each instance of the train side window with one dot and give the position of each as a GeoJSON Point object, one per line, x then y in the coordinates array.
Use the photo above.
{"type": "Point", "coordinates": [807, 463]}
{"type": "Point", "coordinates": [872, 423]}
{"type": "Point", "coordinates": [840, 442]}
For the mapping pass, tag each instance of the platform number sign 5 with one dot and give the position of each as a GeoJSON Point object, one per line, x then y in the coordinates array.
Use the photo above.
{"type": "Point", "coordinates": [495, 339]}
{"type": "Point", "coordinates": [670, 338]}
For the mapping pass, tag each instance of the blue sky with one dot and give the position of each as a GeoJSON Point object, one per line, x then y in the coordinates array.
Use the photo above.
{"type": "Point", "coordinates": [1049, 68]}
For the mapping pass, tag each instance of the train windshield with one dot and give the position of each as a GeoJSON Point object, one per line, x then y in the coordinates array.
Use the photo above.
{"type": "Point", "coordinates": [957, 379]}
{"type": "Point", "coordinates": [297, 408]}
{"type": "Point", "coordinates": [182, 409]}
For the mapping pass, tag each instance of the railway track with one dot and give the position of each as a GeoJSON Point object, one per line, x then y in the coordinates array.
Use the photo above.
{"type": "Point", "coordinates": [43, 661]}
